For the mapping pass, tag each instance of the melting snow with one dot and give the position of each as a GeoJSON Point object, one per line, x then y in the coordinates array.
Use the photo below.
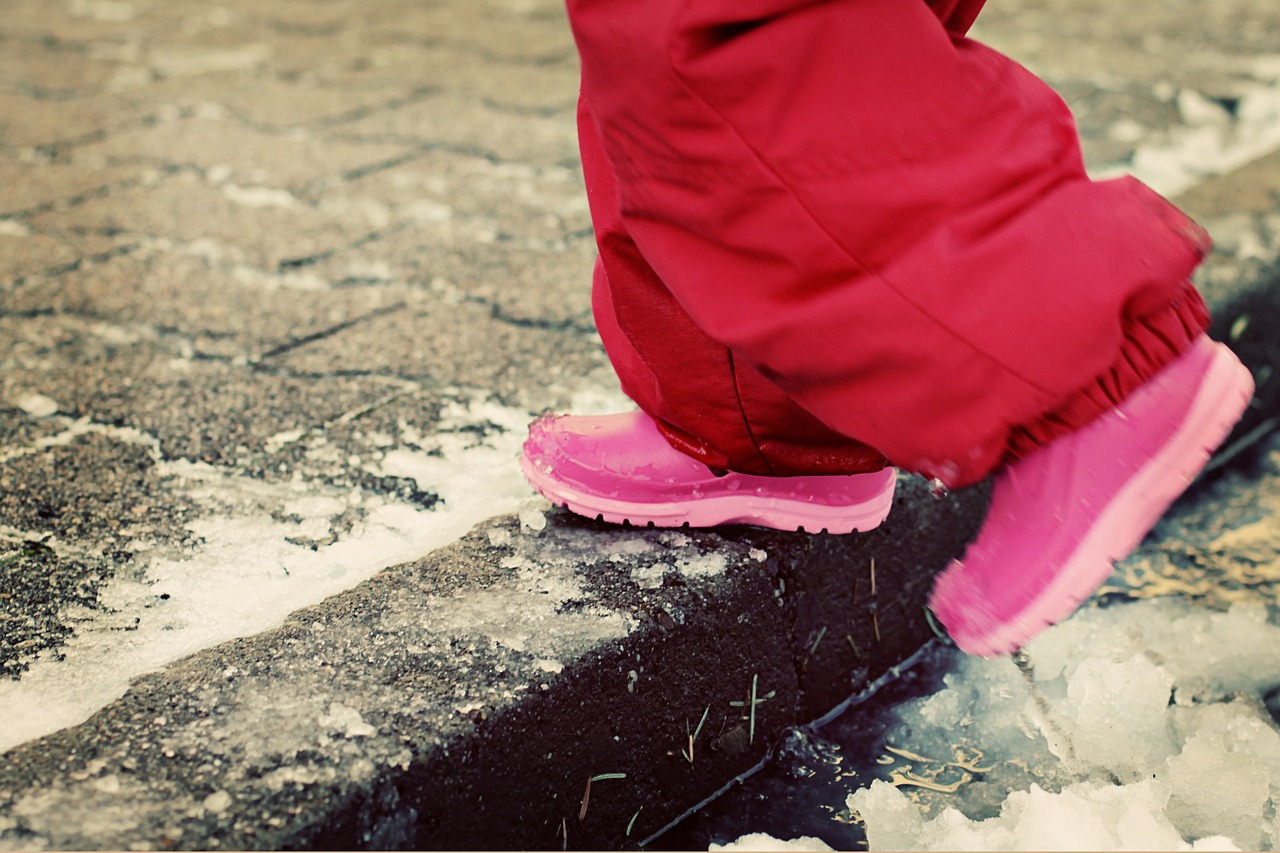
{"type": "Point", "coordinates": [1145, 730]}
{"type": "Point", "coordinates": [259, 196]}
{"type": "Point", "coordinates": [1211, 141]}
{"type": "Point", "coordinates": [247, 576]}
{"type": "Point", "coordinates": [37, 405]}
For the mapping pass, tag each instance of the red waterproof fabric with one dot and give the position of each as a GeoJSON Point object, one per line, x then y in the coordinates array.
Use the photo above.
{"type": "Point", "coordinates": [828, 226]}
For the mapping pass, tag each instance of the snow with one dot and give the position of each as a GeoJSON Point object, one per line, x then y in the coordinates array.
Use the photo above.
{"type": "Point", "coordinates": [760, 841]}
{"type": "Point", "coordinates": [533, 516]}
{"type": "Point", "coordinates": [1209, 140]}
{"type": "Point", "coordinates": [346, 721]}
{"type": "Point", "coordinates": [1133, 727]}
{"type": "Point", "coordinates": [1144, 728]}
{"type": "Point", "coordinates": [701, 566]}
{"type": "Point", "coordinates": [246, 546]}
{"type": "Point", "coordinates": [37, 405]}
{"type": "Point", "coordinates": [1085, 816]}
{"type": "Point", "coordinates": [259, 196]}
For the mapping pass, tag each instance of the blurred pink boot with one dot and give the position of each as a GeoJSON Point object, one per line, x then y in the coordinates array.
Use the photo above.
{"type": "Point", "coordinates": [620, 468]}
{"type": "Point", "coordinates": [1062, 516]}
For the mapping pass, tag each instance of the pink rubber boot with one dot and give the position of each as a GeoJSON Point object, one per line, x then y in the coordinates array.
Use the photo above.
{"type": "Point", "coordinates": [1062, 516]}
{"type": "Point", "coordinates": [619, 468]}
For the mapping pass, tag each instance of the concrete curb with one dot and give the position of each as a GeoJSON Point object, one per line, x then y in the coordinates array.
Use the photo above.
{"type": "Point", "coordinates": [464, 701]}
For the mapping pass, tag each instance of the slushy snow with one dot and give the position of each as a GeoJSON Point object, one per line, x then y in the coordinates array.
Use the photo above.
{"type": "Point", "coordinates": [1139, 726]}
{"type": "Point", "coordinates": [1134, 727]}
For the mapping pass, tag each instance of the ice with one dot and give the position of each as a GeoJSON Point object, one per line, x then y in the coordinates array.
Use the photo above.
{"type": "Point", "coordinates": [533, 516]}
{"type": "Point", "coordinates": [1219, 791]}
{"type": "Point", "coordinates": [346, 721]}
{"type": "Point", "coordinates": [245, 540]}
{"type": "Point", "coordinates": [217, 802]}
{"type": "Point", "coordinates": [1228, 773]}
{"type": "Point", "coordinates": [1085, 816]}
{"type": "Point", "coordinates": [37, 405]}
{"type": "Point", "coordinates": [761, 841]}
{"type": "Point", "coordinates": [702, 566]}
{"type": "Point", "coordinates": [1207, 652]}
{"type": "Point", "coordinates": [650, 576]}
{"type": "Point", "coordinates": [1143, 727]}
{"type": "Point", "coordinates": [629, 548]}
{"type": "Point", "coordinates": [1091, 704]}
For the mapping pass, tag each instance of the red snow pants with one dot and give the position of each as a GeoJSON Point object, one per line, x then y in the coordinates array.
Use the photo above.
{"type": "Point", "coordinates": [838, 232]}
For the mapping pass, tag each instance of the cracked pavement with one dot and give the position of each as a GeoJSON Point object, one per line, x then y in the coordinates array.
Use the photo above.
{"type": "Point", "coordinates": [225, 224]}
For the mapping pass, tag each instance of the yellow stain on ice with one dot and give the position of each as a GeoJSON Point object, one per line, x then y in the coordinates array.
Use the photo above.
{"type": "Point", "coordinates": [966, 759]}
{"type": "Point", "coordinates": [911, 756]}
{"type": "Point", "coordinates": [903, 777]}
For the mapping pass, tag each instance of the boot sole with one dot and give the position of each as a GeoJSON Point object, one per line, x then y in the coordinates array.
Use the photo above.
{"type": "Point", "coordinates": [775, 512]}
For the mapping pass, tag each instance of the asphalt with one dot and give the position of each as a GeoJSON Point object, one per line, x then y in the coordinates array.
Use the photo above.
{"type": "Point", "coordinates": [280, 284]}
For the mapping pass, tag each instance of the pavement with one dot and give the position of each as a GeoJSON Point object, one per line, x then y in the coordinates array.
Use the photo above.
{"type": "Point", "coordinates": [281, 285]}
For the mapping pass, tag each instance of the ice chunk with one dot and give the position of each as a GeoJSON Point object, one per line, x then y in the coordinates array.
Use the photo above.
{"type": "Point", "coordinates": [1086, 816]}
{"type": "Point", "coordinates": [217, 802]}
{"type": "Point", "coordinates": [1205, 651]}
{"type": "Point", "coordinates": [347, 721]}
{"type": "Point", "coordinates": [1117, 713]}
{"type": "Point", "coordinates": [1097, 756]}
{"type": "Point", "coordinates": [1225, 775]}
{"type": "Point", "coordinates": [761, 841]}
{"type": "Point", "coordinates": [632, 547]}
{"type": "Point", "coordinates": [701, 566]}
{"type": "Point", "coordinates": [893, 822]}
{"type": "Point", "coordinates": [532, 517]}
{"type": "Point", "coordinates": [650, 577]}
{"type": "Point", "coordinates": [37, 405]}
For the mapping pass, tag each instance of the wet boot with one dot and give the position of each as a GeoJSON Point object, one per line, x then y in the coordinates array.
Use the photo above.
{"type": "Point", "coordinates": [620, 468]}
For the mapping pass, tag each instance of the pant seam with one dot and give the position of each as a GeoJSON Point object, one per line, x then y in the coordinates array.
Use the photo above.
{"type": "Point", "coordinates": [742, 410]}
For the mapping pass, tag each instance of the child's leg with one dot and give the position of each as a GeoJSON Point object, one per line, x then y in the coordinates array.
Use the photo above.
{"type": "Point", "coordinates": [846, 225]}
{"type": "Point", "coordinates": [711, 404]}
{"type": "Point", "coordinates": [747, 452]}
{"type": "Point", "coordinates": [890, 223]}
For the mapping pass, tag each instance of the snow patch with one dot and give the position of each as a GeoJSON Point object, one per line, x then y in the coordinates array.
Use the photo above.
{"type": "Point", "coordinates": [346, 721]}
{"type": "Point", "coordinates": [252, 537]}
{"type": "Point", "coordinates": [1145, 729]}
{"type": "Point", "coordinates": [761, 841]}
{"type": "Point", "coordinates": [112, 11]}
{"type": "Point", "coordinates": [74, 429]}
{"type": "Point", "coordinates": [1210, 141]}
{"type": "Point", "coordinates": [37, 405]}
{"type": "Point", "coordinates": [258, 196]}
{"type": "Point", "coordinates": [186, 63]}
{"type": "Point", "coordinates": [542, 612]}
{"type": "Point", "coordinates": [702, 566]}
